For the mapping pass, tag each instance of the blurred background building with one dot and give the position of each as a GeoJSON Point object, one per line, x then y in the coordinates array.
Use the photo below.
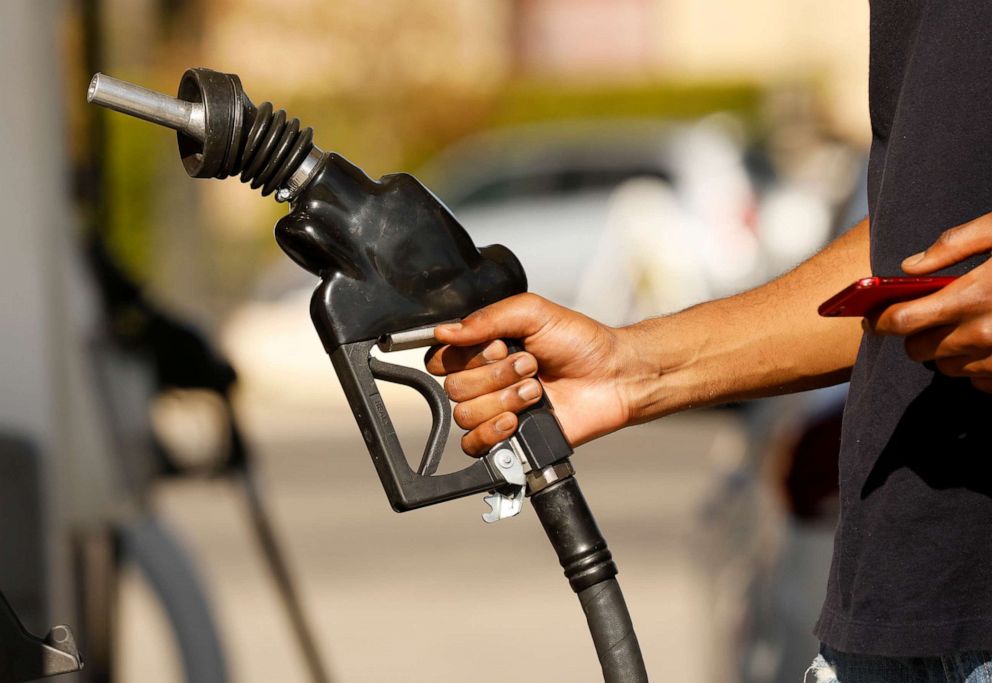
{"type": "Point", "coordinates": [639, 155]}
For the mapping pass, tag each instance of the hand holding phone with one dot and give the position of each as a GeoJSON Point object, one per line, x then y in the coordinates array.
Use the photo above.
{"type": "Point", "coordinates": [875, 293]}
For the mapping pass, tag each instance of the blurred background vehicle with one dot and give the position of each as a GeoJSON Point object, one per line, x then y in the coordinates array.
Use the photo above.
{"type": "Point", "coordinates": [639, 155]}
{"type": "Point", "coordinates": [589, 185]}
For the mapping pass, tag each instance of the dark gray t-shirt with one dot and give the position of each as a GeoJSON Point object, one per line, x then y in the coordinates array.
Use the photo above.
{"type": "Point", "coordinates": [912, 567]}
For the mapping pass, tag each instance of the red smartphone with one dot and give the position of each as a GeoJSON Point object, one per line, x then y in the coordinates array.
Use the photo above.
{"type": "Point", "coordinates": [872, 293]}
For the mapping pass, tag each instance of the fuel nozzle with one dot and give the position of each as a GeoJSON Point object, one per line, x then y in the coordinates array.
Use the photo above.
{"type": "Point", "coordinates": [220, 132]}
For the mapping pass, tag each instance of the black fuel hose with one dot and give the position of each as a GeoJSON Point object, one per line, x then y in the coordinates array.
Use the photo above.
{"type": "Point", "coordinates": [613, 633]}
{"type": "Point", "coordinates": [591, 572]}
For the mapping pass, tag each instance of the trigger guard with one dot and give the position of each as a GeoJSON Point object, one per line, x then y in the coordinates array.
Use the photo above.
{"type": "Point", "coordinates": [436, 399]}
{"type": "Point", "coordinates": [405, 488]}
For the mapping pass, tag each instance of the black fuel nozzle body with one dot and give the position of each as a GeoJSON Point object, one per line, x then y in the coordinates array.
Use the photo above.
{"type": "Point", "coordinates": [392, 258]}
{"type": "Point", "coordinates": [389, 254]}
{"type": "Point", "coordinates": [24, 657]}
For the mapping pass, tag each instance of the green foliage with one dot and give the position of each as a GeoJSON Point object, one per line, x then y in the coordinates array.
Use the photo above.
{"type": "Point", "coordinates": [407, 129]}
{"type": "Point", "coordinates": [528, 102]}
{"type": "Point", "coordinates": [132, 157]}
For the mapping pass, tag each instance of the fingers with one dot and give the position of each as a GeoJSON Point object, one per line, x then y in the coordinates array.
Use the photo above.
{"type": "Point", "coordinates": [488, 396]}
{"type": "Point", "coordinates": [469, 384]}
{"type": "Point", "coordinates": [932, 344]}
{"type": "Point", "coordinates": [970, 338]}
{"type": "Point", "coordinates": [982, 384]}
{"type": "Point", "coordinates": [488, 434]}
{"type": "Point", "coordinates": [965, 366]}
{"type": "Point", "coordinates": [444, 360]}
{"type": "Point", "coordinates": [474, 412]}
{"type": "Point", "coordinates": [517, 317]}
{"type": "Point", "coordinates": [956, 351]}
{"type": "Point", "coordinates": [953, 245]}
{"type": "Point", "coordinates": [910, 317]}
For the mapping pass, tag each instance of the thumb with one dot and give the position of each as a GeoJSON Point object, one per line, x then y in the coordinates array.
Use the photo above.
{"type": "Point", "coordinates": [517, 317]}
{"type": "Point", "coordinates": [952, 246]}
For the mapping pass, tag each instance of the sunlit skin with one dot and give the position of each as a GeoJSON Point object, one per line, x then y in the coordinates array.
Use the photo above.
{"type": "Point", "coordinates": [582, 362]}
{"type": "Point", "coordinates": [766, 341]}
{"type": "Point", "coordinates": [952, 327]}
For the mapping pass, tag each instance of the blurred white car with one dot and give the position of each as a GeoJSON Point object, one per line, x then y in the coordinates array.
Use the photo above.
{"type": "Point", "coordinates": [618, 218]}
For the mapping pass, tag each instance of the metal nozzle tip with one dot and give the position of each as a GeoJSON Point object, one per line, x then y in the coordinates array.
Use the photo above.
{"type": "Point", "coordinates": [94, 84]}
{"type": "Point", "coordinates": [133, 100]}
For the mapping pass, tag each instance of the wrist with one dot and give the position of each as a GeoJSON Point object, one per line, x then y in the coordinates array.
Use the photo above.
{"type": "Point", "coordinates": [653, 372]}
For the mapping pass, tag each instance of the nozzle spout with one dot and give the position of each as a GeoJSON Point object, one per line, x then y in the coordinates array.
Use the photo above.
{"type": "Point", "coordinates": [222, 134]}
{"type": "Point", "coordinates": [131, 99]}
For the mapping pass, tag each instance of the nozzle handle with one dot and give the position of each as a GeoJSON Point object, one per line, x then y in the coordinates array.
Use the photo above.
{"type": "Point", "coordinates": [142, 103]}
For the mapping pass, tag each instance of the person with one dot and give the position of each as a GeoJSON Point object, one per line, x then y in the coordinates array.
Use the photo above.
{"type": "Point", "coordinates": [910, 590]}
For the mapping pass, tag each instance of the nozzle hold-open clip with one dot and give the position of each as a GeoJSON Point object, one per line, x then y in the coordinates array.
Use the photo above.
{"type": "Point", "coordinates": [508, 500]}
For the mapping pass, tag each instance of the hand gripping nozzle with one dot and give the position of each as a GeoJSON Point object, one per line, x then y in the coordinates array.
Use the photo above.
{"type": "Point", "coordinates": [392, 261]}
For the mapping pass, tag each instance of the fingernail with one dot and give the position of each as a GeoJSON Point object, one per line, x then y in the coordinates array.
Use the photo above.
{"type": "Point", "coordinates": [449, 327]}
{"type": "Point", "coordinates": [914, 259]}
{"type": "Point", "coordinates": [504, 424]}
{"type": "Point", "coordinates": [524, 365]}
{"type": "Point", "coordinates": [529, 391]}
{"type": "Point", "coordinates": [494, 351]}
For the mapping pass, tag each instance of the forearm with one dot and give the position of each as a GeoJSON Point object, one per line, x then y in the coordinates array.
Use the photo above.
{"type": "Point", "coordinates": [769, 340]}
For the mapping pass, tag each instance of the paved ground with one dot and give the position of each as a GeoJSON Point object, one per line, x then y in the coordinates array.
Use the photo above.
{"type": "Point", "coordinates": [436, 595]}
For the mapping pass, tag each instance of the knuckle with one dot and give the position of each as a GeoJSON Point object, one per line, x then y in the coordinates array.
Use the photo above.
{"type": "Point", "coordinates": [948, 237]}
{"type": "Point", "coordinates": [531, 299]}
{"type": "Point", "coordinates": [906, 319]}
{"type": "Point", "coordinates": [976, 338]}
{"type": "Point", "coordinates": [914, 349]}
{"type": "Point", "coordinates": [503, 374]}
{"type": "Point", "coordinates": [483, 315]}
{"type": "Point", "coordinates": [534, 303]}
{"type": "Point", "coordinates": [899, 321]}
{"type": "Point", "coordinates": [950, 368]}
{"type": "Point", "coordinates": [983, 334]}
{"type": "Point", "coordinates": [968, 299]}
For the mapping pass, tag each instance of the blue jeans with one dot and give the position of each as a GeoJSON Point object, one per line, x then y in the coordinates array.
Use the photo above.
{"type": "Point", "coordinates": [831, 666]}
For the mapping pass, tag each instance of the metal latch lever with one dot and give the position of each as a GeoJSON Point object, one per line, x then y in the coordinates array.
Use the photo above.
{"type": "Point", "coordinates": [508, 500]}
